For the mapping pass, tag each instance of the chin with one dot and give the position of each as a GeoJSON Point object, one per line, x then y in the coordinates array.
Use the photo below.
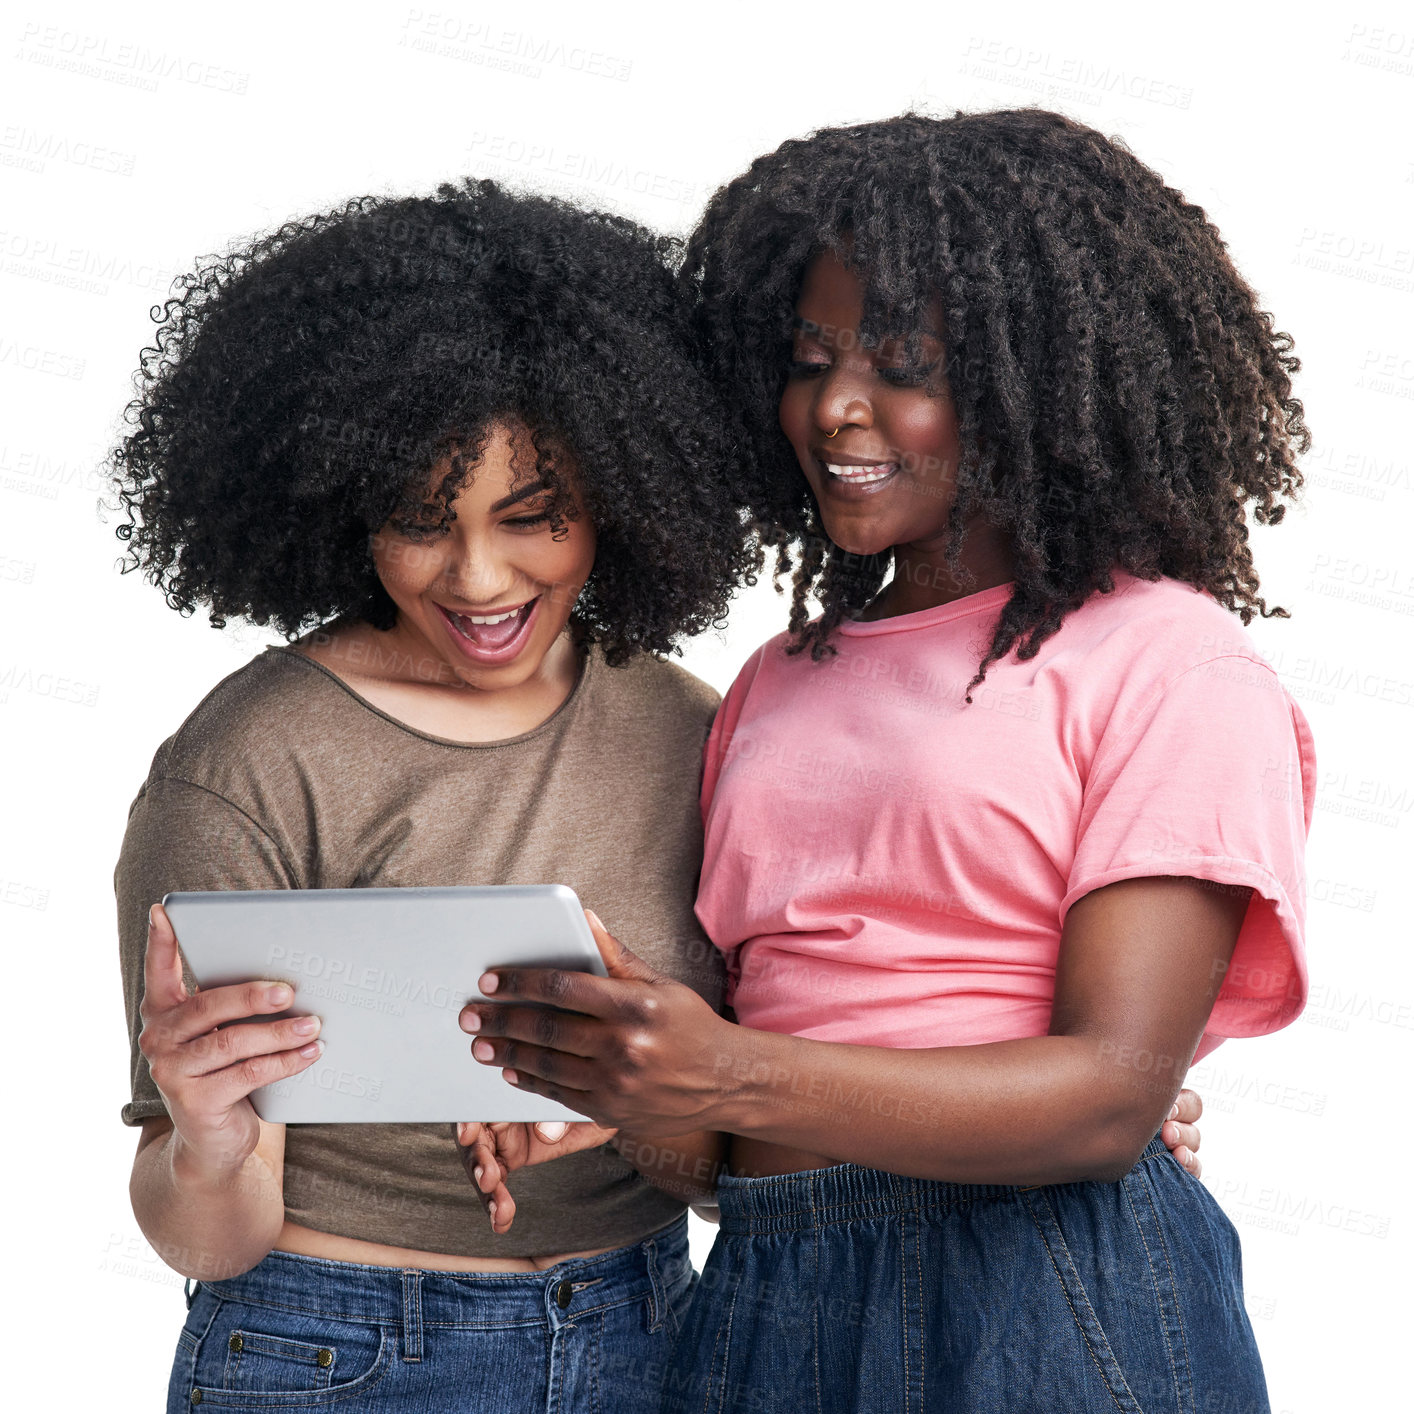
{"type": "Point", "coordinates": [859, 540]}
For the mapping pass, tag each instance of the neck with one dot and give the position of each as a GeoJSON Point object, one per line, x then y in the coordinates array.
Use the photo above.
{"type": "Point", "coordinates": [923, 579]}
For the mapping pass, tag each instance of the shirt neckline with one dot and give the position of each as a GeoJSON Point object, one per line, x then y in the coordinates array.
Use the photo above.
{"type": "Point", "coordinates": [979, 602]}
{"type": "Point", "coordinates": [588, 668]}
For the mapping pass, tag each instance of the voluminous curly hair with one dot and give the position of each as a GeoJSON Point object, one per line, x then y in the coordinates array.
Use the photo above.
{"type": "Point", "coordinates": [301, 388]}
{"type": "Point", "coordinates": [1120, 397]}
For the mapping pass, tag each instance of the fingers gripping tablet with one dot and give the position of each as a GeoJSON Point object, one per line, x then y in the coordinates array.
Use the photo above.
{"type": "Point", "coordinates": [387, 971]}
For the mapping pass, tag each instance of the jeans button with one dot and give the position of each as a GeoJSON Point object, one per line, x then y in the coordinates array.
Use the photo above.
{"type": "Point", "coordinates": [564, 1294]}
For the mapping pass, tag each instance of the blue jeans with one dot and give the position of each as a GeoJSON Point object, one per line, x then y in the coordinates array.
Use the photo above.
{"type": "Point", "coordinates": [588, 1334]}
{"type": "Point", "coordinates": [849, 1289]}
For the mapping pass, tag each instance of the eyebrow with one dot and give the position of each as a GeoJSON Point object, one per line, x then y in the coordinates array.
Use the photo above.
{"type": "Point", "coordinates": [809, 326]}
{"type": "Point", "coordinates": [524, 494]}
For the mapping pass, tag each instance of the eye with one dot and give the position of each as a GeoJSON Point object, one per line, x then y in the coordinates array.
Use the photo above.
{"type": "Point", "coordinates": [908, 375]}
{"type": "Point", "coordinates": [525, 522]}
{"type": "Point", "coordinates": [805, 367]}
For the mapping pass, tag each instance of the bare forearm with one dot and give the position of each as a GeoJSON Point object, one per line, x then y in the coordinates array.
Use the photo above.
{"type": "Point", "coordinates": [685, 1165]}
{"type": "Point", "coordinates": [204, 1224]}
{"type": "Point", "coordinates": [1048, 1109]}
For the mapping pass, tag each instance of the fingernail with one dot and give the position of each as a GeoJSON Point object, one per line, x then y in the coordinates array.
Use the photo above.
{"type": "Point", "coordinates": [491, 1213]}
{"type": "Point", "coordinates": [471, 1022]}
{"type": "Point", "coordinates": [598, 922]}
{"type": "Point", "coordinates": [478, 1172]}
{"type": "Point", "coordinates": [307, 1025]}
{"type": "Point", "coordinates": [280, 995]}
{"type": "Point", "coordinates": [1173, 1113]}
{"type": "Point", "coordinates": [511, 1077]}
{"type": "Point", "coordinates": [483, 1050]}
{"type": "Point", "coordinates": [313, 1049]}
{"type": "Point", "coordinates": [488, 984]}
{"type": "Point", "coordinates": [552, 1130]}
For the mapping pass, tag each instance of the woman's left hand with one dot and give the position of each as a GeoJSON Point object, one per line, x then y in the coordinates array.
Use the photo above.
{"type": "Point", "coordinates": [634, 1050]}
{"type": "Point", "coordinates": [1180, 1131]}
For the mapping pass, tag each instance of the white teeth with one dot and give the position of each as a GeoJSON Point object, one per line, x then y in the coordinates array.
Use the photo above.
{"type": "Point", "coordinates": [859, 475]}
{"type": "Point", "coordinates": [461, 621]}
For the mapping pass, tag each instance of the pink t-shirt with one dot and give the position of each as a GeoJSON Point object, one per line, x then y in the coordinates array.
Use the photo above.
{"type": "Point", "coordinates": [886, 865]}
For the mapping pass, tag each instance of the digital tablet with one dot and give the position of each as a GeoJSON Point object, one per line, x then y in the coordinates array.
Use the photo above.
{"type": "Point", "coordinates": [388, 971]}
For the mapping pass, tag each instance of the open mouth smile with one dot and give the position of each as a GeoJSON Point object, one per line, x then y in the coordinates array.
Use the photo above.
{"type": "Point", "coordinates": [492, 638]}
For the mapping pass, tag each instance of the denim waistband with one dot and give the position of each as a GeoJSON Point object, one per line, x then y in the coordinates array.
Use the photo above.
{"type": "Point", "coordinates": [423, 1296]}
{"type": "Point", "coordinates": [815, 1198]}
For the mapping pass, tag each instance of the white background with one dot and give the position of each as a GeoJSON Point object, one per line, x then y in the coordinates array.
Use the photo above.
{"type": "Point", "coordinates": [133, 140]}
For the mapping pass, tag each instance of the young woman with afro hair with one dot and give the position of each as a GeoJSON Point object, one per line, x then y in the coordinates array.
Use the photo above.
{"type": "Point", "coordinates": [460, 452]}
{"type": "Point", "coordinates": [997, 843]}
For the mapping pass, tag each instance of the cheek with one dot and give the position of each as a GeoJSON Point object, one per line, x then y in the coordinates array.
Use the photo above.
{"type": "Point", "coordinates": [405, 567]}
{"type": "Point", "coordinates": [927, 430]}
{"type": "Point", "coordinates": [566, 561]}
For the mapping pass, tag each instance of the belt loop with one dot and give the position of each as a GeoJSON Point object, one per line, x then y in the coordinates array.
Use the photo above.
{"type": "Point", "coordinates": [190, 1290]}
{"type": "Point", "coordinates": [658, 1306]}
{"type": "Point", "coordinates": [412, 1314]}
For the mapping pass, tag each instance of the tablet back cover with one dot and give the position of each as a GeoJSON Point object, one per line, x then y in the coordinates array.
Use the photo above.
{"type": "Point", "coordinates": [388, 970]}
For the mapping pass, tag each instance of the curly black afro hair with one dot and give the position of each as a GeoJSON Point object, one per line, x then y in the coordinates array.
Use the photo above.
{"type": "Point", "coordinates": [1120, 396]}
{"type": "Point", "coordinates": [301, 389]}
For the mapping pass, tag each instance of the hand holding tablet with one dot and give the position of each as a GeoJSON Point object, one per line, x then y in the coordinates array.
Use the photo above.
{"type": "Point", "coordinates": [205, 1068]}
{"type": "Point", "coordinates": [387, 971]}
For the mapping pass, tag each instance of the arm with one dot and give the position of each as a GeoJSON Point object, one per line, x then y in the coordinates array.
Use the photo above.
{"type": "Point", "coordinates": [1141, 963]}
{"type": "Point", "coordinates": [205, 1223]}
{"type": "Point", "coordinates": [207, 1178]}
{"type": "Point", "coordinates": [685, 1165]}
{"type": "Point", "coordinates": [207, 1181]}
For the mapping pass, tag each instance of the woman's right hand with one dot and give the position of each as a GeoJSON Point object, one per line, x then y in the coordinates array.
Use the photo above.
{"type": "Point", "coordinates": [204, 1067]}
{"type": "Point", "coordinates": [491, 1152]}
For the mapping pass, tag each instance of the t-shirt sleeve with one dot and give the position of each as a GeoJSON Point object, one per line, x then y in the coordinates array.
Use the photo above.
{"type": "Point", "coordinates": [1214, 778]}
{"type": "Point", "coordinates": [719, 738]}
{"type": "Point", "coordinates": [180, 836]}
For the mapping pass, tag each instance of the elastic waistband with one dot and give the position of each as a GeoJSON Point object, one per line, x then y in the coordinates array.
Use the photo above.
{"type": "Point", "coordinates": [816, 1198]}
{"type": "Point", "coordinates": [423, 1296]}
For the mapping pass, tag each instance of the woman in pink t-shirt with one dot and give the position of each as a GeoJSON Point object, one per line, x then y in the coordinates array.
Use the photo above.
{"type": "Point", "coordinates": [995, 848]}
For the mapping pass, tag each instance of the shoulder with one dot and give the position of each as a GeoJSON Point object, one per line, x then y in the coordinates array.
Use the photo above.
{"type": "Point", "coordinates": [1166, 650]}
{"type": "Point", "coordinates": [658, 688]}
{"type": "Point", "coordinates": [253, 716]}
{"type": "Point", "coordinates": [766, 662]}
{"type": "Point", "coordinates": [1145, 635]}
{"type": "Point", "coordinates": [1166, 623]}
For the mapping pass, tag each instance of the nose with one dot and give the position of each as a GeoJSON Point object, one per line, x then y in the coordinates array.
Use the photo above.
{"type": "Point", "coordinates": [842, 399]}
{"type": "Point", "coordinates": [472, 574]}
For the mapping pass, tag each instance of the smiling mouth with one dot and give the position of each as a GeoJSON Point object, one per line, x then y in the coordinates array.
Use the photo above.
{"type": "Point", "coordinates": [855, 473]}
{"type": "Point", "coordinates": [861, 475]}
{"type": "Point", "coordinates": [491, 637]}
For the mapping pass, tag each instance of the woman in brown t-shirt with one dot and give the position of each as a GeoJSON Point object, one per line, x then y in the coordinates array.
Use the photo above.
{"type": "Point", "coordinates": [458, 451]}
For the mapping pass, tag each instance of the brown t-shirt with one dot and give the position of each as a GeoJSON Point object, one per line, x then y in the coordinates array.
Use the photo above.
{"type": "Point", "coordinates": [285, 778]}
